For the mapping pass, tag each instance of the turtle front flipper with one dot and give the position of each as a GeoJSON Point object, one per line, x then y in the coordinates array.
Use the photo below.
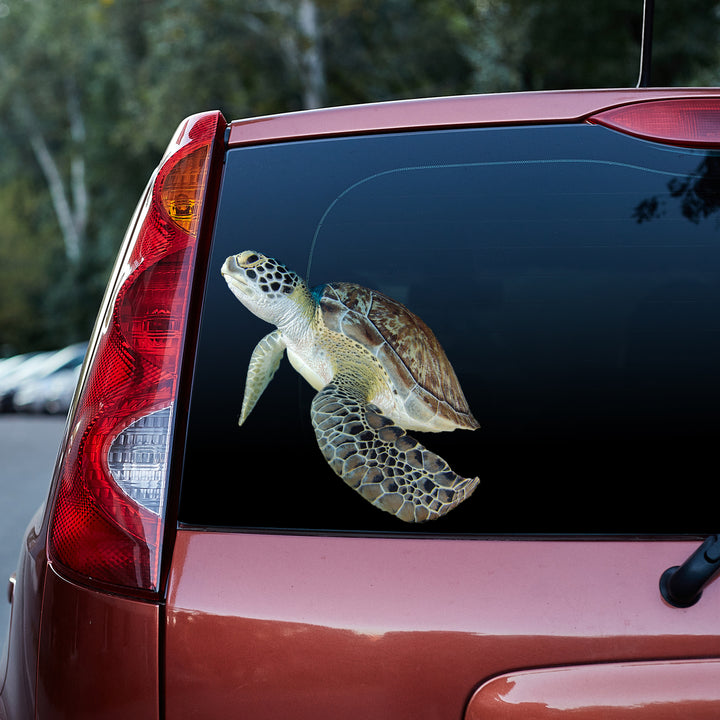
{"type": "Point", "coordinates": [264, 361]}
{"type": "Point", "coordinates": [376, 457]}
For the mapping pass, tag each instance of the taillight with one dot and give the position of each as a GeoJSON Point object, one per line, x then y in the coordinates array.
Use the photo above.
{"type": "Point", "coordinates": [107, 521]}
{"type": "Point", "coordinates": [690, 122]}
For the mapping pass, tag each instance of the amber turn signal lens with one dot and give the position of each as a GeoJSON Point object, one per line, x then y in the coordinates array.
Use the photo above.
{"type": "Point", "coordinates": [182, 189]}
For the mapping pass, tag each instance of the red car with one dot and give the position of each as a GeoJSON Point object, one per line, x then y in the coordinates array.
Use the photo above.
{"type": "Point", "coordinates": [473, 345]}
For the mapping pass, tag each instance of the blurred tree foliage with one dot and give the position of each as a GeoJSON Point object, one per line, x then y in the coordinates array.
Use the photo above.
{"type": "Point", "coordinates": [555, 44]}
{"type": "Point", "coordinates": [90, 92]}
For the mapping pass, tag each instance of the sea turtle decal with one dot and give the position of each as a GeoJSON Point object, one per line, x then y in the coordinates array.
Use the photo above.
{"type": "Point", "coordinates": [379, 370]}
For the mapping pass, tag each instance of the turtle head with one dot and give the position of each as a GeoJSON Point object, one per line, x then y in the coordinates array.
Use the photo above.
{"type": "Point", "coordinates": [265, 287]}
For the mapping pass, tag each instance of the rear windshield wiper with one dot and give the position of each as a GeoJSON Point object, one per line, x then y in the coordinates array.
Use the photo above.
{"type": "Point", "coordinates": [682, 585]}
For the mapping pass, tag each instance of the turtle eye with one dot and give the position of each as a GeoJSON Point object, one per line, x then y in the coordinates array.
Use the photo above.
{"type": "Point", "coordinates": [248, 258]}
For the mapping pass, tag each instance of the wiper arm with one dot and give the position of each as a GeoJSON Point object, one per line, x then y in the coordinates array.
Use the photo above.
{"type": "Point", "coordinates": [682, 585]}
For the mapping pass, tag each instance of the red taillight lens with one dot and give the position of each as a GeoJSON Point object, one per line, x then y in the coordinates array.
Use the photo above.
{"type": "Point", "coordinates": [108, 517]}
{"type": "Point", "coordinates": [691, 122]}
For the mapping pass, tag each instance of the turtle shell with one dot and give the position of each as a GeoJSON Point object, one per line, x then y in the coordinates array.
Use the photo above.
{"type": "Point", "coordinates": [405, 347]}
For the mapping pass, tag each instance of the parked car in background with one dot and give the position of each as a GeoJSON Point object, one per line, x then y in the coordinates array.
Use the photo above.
{"type": "Point", "coordinates": [9, 365]}
{"type": "Point", "coordinates": [25, 366]}
{"type": "Point", "coordinates": [334, 555]}
{"type": "Point", "coordinates": [35, 381]}
{"type": "Point", "coordinates": [51, 394]}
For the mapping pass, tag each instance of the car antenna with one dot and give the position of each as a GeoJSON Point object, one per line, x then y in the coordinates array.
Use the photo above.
{"type": "Point", "coordinates": [646, 43]}
{"type": "Point", "coordinates": [682, 585]}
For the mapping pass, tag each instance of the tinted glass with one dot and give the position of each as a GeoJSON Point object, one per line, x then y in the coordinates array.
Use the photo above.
{"type": "Point", "coordinates": [572, 275]}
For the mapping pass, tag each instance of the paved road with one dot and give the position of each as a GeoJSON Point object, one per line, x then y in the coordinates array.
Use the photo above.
{"type": "Point", "coordinates": [28, 447]}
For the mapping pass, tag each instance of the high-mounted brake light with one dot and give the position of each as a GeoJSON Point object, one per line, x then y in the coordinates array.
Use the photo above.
{"type": "Point", "coordinates": [689, 122]}
{"type": "Point", "coordinates": [107, 521]}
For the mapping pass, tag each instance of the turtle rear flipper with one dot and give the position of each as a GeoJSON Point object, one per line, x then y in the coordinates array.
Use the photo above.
{"type": "Point", "coordinates": [376, 457]}
{"type": "Point", "coordinates": [264, 363]}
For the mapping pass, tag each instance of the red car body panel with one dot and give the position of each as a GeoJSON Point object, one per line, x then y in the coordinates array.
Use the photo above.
{"type": "Point", "coordinates": [652, 691]}
{"type": "Point", "coordinates": [325, 627]}
{"type": "Point", "coordinates": [77, 652]}
{"type": "Point", "coordinates": [98, 654]}
{"type": "Point", "coordinates": [272, 625]}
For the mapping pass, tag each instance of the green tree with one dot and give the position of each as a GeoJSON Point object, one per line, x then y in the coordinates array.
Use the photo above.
{"type": "Point", "coordinates": [555, 44]}
{"type": "Point", "coordinates": [26, 262]}
{"type": "Point", "coordinates": [394, 49]}
{"type": "Point", "coordinates": [60, 76]}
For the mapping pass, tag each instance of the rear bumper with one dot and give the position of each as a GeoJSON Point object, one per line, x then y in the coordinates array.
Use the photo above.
{"type": "Point", "coordinates": [98, 654]}
{"type": "Point", "coordinates": [74, 652]}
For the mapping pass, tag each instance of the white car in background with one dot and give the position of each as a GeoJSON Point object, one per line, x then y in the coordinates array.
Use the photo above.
{"type": "Point", "coordinates": [51, 394]}
{"type": "Point", "coordinates": [31, 376]}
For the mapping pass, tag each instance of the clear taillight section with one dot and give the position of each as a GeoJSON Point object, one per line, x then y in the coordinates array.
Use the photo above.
{"type": "Point", "coordinates": [689, 122]}
{"type": "Point", "coordinates": [107, 521]}
{"type": "Point", "coordinates": [138, 459]}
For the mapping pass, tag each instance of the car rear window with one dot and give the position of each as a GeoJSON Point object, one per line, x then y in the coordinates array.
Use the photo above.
{"type": "Point", "coordinates": [572, 276]}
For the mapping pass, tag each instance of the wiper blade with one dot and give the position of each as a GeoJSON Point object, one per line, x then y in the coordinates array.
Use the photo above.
{"type": "Point", "coordinates": [682, 585]}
